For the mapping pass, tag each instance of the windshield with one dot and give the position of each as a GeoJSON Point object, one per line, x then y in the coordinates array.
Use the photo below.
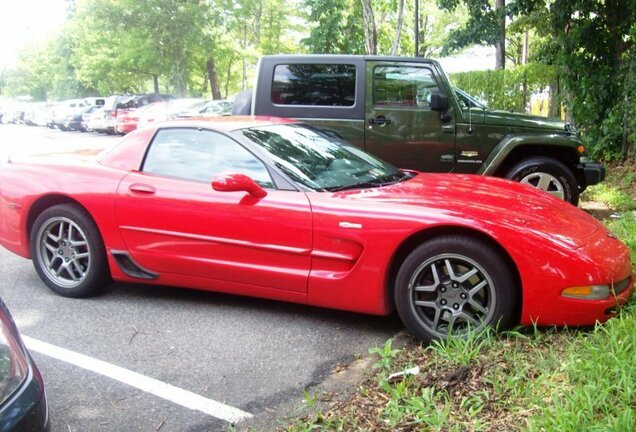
{"type": "Point", "coordinates": [468, 101]}
{"type": "Point", "coordinates": [319, 161]}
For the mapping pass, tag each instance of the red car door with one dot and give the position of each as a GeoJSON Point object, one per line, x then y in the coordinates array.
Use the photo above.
{"type": "Point", "coordinates": [172, 220]}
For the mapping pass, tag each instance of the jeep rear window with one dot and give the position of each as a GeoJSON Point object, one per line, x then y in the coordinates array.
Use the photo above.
{"type": "Point", "coordinates": [314, 84]}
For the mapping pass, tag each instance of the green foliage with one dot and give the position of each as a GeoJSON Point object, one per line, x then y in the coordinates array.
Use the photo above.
{"type": "Point", "coordinates": [481, 27]}
{"type": "Point", "coordinates": [596, 391]}
{"type": "Point", "coordinates": [592, 43]}
{"type": "Point", "coordinates": [336, 27]}
{"type": "Point", "coordinates": [504, 89]}
{"type": "Point", "coordinates": [465, 350]}
{"type": "Point", "coordinates": [386, 355]}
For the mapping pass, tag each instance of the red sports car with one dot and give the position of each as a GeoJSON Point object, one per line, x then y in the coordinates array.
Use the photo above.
{"type": "Point", "coordinates": [276, 209]}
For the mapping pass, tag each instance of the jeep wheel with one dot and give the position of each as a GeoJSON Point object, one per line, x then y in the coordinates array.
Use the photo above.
{"type": "Point", "coordinates": [547, 174]}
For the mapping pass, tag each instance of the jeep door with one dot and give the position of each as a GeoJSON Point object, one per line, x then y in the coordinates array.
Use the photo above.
{"type": "Point", "coordinates": [401, 127]}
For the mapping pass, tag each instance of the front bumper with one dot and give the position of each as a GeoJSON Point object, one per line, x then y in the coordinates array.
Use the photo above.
{"type": "Point", "coordinates": [593, 173]}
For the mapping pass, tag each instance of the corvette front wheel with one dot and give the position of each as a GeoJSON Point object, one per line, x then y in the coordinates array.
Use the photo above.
{"type": "Point", "coordinates": [450, 286]}
{"type": "Point", "coordinates": [68, 252]}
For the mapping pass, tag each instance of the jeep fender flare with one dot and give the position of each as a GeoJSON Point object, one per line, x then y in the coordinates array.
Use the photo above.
{"type": "Point", "coordinates": [510, 143]}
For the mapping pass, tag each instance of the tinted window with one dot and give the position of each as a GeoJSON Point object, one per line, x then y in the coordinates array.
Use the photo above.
{"type": "Point", "coordinates": [403, 86]}
{"type": "Point", "coordinates": [314, 84]}
{"type": "Point", "coordinates": [319, 161]}
{"type": "Point", "coordinates": [199, 155]}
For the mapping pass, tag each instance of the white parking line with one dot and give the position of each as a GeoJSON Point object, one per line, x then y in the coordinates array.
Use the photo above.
{"type": "Point", "coordinates": [150, 385]}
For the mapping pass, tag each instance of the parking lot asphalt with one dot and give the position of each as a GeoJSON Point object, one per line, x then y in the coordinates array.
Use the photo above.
{"type": "Point", "coordinates": [149, 358]}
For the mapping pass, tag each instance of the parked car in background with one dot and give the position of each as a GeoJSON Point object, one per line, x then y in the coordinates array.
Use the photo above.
{"type": "Point", "coordinates": [86, 116]}
{"type": "Point", "coordinates": [161, 111]}
{"type": "Point", "coordinates": [42, 116]}
{"type": "Point", "coordinates": [67, 114]}
{"type": "Point", "coordinates": [30, 110]}
{"type": "Point", "coordinates": [210, 108]}
{"type": "Point", "coordinates": [97, 121]}
{"type": "Point", "coordinates": [120, 108]}
{"type": "Point", "coordinates": [23, 405]}
{"type": "Point", "coordinates": [95, 100]}
{"type": "Point", "coordinates": [13, 113]}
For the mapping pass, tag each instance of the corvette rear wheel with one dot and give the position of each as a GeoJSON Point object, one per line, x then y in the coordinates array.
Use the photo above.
{"type": "Point", "coordinates": [453, 285]}
{"type": "Point", "coordinates": [68, 252]}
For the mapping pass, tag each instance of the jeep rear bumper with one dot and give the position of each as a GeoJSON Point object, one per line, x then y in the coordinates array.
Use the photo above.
{"type": "Point", "coordinates": [593, 172]}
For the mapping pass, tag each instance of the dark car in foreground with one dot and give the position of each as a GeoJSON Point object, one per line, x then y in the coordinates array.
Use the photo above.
{"type": "Point", "coordinates": [271, 208]}
{"type": "Point", "coordinates": [23, 406]}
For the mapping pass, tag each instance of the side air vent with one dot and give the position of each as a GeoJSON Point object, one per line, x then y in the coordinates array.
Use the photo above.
{"type": "Point", "coordinates": [130, 267]}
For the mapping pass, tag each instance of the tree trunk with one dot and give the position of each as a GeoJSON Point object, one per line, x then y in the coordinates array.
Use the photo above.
{"type": "Point", "coordinates": [257, 22]}
{"type": "Point", "coordinates": [243, 84]}
{"type": "Point", "coordinates": [555, 98]}
{"type": "Point", "coordinates": [526, 47]}
{"type": "Point", "coordinates": [398, 30]}
{"type": "Point", "coordinates": [424, 45]}
{"type": "Point", "coordinates": [210, 67]}
{"type": "Point", "coordinates": [229, 75]}
{"type": "Point", "coordinates": [500, 45]}
{"type": "Point", "coordinates": [370, 32]}
{"type": "Point", "coordinates": [155, 83]}
{"type": "Point", "coordinates": [625, 147]}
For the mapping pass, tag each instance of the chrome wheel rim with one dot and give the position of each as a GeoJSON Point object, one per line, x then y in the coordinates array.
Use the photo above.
{"type": "Point", "coordinates": [63, 252]}
{"type": "Point", "coordinates": [546, 182]}
{"type": "Point", "coordinates": [451, 295]}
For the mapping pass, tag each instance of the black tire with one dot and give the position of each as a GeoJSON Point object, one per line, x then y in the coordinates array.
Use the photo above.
{"type": "Point", "coordinates": [448, 306]}
{"type": "Point", "coordinates": [68, 252]}
{"type": "Point", "coordinates": [560, 181]}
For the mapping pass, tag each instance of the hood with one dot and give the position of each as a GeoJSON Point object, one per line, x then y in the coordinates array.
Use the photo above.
{"type": "Point", "coordinates": [484, 201]}
{"type": "Point", "coordinates": [514, 119]}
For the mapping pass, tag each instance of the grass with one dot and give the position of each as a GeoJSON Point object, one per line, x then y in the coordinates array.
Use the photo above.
{"type": "Point", "coordinates": [523, 380]}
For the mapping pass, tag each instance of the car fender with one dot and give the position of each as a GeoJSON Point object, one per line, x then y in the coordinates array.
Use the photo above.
{"type": "Point", "coordinates": [511, 142]}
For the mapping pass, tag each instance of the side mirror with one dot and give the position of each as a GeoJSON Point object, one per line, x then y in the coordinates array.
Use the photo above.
{"type": "Point", "coordinates": [439, 102]}
{"type": "Point", "coordinates": [237, 183]}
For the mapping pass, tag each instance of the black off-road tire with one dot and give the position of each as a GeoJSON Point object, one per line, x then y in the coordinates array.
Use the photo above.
{"type": "Point", "coordinates": [561, 179]}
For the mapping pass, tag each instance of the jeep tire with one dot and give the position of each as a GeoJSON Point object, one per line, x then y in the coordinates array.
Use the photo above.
{"type": "Point", "coordinates": [547, 174]}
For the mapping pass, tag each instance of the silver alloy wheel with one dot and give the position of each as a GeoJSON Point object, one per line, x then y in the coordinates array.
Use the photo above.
{"type": "Point", "coordinates": [546, 182]}
{"type": "Point", "coordinates": [63, 252]}
{"type": "Point", "coordinates": [451, 294]}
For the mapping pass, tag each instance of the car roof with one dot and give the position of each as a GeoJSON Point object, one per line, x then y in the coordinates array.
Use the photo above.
{"type": "Point", "coordinates": [130, 150]}
{"type": "Point", "coordinates": [226, 123]}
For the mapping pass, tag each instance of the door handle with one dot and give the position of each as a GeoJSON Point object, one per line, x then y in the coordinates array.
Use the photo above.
{"type": "Point", "coordinates": [142, 188]}
{"type": "Point", "coordinates": [379, 121]}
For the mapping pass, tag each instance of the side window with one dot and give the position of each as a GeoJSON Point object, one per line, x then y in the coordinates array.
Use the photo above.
{"type": "Point", "coordinates": [403, 86]}
{"type": "Point", "coordinates": [314, 84]}
{"type": "Point", "coordinates": [199, 155]}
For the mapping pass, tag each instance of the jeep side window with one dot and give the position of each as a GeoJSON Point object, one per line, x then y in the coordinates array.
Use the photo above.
{"type": "Point", "coordinates": [403, 86]}
{"type": "Point", "coordinates": [314, 84]}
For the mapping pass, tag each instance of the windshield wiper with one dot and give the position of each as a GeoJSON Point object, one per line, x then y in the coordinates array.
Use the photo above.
{"type": "Point", "coordinates": [379, 182]}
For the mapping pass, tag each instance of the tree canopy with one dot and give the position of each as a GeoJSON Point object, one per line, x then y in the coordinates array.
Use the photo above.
{"type": "Point", "coordinates": [211, 47]}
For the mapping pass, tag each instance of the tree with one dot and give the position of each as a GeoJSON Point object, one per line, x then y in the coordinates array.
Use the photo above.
{"type": "Point", "coordinates": [398, 30]}
{"type": "Point", "coordinates": [486, 25]}
{"type": "Point", "coordinates": [334, 27]}
{"type": "Point", "coordinates": [592, 44]}
{"type": "Point", "coordinates": [370, 29]}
